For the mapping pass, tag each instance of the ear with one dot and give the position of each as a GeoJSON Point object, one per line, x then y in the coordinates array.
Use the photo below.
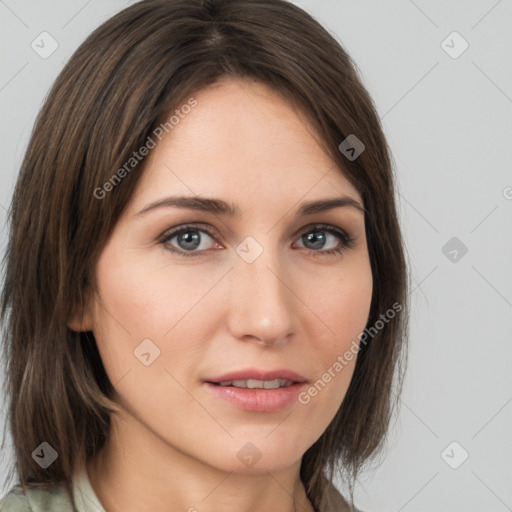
{"type": "Point", "coordinates": [80, 323]}
{"type": "Point", "coordinates": [82, 320]}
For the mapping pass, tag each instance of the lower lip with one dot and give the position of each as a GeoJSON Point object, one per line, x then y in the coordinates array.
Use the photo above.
{"type": "Point", "coordinates": [258, 400]}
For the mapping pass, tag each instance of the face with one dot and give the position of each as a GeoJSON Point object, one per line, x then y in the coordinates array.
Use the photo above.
{"type": "Point", "coordinates": [190, 300]}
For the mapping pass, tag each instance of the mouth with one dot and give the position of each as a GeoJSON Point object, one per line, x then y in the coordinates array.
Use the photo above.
{"type": "Point", "coordinates": [255, 384]}
{"type": "Point", "coordinates": [257, 390]}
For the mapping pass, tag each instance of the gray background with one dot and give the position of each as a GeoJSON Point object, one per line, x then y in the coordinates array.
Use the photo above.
{"type": "Point", "coordinates": [449, 124]}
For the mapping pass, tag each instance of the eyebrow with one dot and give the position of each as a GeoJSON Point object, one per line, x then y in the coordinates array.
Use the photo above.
{"type": "Point", "coordinates": [220, 207]}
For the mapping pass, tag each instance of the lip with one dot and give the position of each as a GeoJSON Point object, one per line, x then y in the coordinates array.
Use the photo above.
{"type": "Point", "coordinates": [255, 373]}
{"type": "Point", "coordinates": [258, 400]}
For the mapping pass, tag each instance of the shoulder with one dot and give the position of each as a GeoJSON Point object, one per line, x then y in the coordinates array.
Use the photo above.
{"type": "Point", "coordinates": [36, 499]}
{"type": "Point", "coordinates": [335, 502]}
{"type": "Point", "coordinates": [14, 500]}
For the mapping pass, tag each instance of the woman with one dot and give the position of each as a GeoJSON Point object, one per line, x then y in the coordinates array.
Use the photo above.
{"type": "Point", "coordinates": [205, 282]}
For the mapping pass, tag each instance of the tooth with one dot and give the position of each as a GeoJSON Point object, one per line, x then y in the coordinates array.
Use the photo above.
{"type": "Point", "coordinates": [272, 384]}
{"type": "Point", "coordinates": [258, 384]}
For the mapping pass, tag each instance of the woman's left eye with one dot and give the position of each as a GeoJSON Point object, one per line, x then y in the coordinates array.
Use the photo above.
{"type": "Point", "coordinates": [317, 237]}
{"type": "Point", "coordinates": [189, 238]}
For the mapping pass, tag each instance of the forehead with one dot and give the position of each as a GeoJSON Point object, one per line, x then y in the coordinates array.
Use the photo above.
{"type": "Point", "coordinates": [242, 140]}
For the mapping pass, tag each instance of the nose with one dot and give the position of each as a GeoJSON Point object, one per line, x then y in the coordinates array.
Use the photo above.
{"type": "Point", "coordinates": [261, 301]}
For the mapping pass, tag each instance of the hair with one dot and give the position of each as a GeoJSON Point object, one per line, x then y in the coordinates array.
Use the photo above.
{"type": "Point", "coordinates": [120, 84]}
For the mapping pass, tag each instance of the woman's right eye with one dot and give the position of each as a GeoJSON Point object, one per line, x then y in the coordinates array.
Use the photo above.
{"type": "Point", "coordinates": [189, 239]}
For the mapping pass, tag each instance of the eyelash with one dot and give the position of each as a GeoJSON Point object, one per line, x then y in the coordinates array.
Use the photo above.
{"type": "Point", "coordinates": [346, 240]}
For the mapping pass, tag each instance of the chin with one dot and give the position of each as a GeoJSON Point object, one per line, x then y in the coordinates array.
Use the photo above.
{"type": "Point", "coordinates": [259, 454]}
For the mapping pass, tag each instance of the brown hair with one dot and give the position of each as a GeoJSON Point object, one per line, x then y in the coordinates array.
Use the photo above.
{"type": "Point", "coordinates": [119, 84]}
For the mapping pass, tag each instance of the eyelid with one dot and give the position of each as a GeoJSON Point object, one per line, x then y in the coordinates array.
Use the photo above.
{"type": "Point", "coordinates": [169, 233]}
{"type": "Point", "coordinates": [320, 226]}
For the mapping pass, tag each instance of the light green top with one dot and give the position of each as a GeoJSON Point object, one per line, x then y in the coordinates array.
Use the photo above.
{"type": "Point", "coordinates": [56, 499]}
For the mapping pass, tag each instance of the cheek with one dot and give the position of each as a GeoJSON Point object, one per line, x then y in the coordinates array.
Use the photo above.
{"type": "Point", "coordinates": [146, 299]}
{"type": "Point", "coordinates": [342, 306]}
{"type": "Point", "coordinates": [159, 315]}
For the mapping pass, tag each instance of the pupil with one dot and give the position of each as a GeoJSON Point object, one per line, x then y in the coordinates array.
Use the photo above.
{"type": "Point", "coordinates": [318, 240]}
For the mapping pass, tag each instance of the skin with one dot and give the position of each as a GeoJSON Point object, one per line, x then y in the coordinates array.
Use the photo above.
{"type": "Point", "coordinates": [174, 445]}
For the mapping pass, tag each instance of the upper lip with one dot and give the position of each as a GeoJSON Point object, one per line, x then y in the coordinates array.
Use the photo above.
{"type": "Point", "coordinates": [257, 374]}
